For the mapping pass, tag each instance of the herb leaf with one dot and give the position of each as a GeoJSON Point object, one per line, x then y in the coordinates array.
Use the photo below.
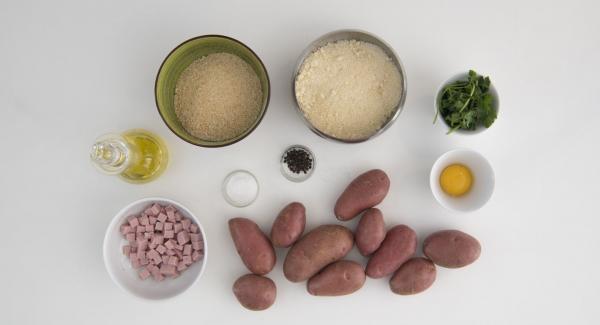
{"type": "Point", "coordinates": [467, 104]}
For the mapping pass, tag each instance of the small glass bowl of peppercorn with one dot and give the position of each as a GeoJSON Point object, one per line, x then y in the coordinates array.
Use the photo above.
{"type": "Point", "coordinates": [297, 163]}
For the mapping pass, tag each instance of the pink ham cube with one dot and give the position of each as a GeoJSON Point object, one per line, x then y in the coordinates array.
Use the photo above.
{"type": "Point", "coordinates": [162, 217]}
{"type": "Point", "coordinates": [158, 226]}
{"type": "Point", "coordinates": [178, 227]}
{"type": "Point", "coordinates": [144, 273]}
{"type": "Point", "coordinates": [126, 250]}
{"type": "Point", "coordinates": [187, 249]}
{"type": "Point", "coordinates": [181, 267]}
{"type": "Point", "coordinates": [169, 234]}
{"type": "Point", "coordinates": [133, 221]}
{"type": "Point", "coordinates": [187, 260]}
{"type": "Point", "coordinates": [178, 216]}
{"type": "Point", "coordinates": [170, 244]}
{"type": "Point", "coordinates": [125, 229]}
{"type": "Point", "coordinates": [130, 238]}
{"type": "Point", "coordinates": [173, 260]}
{"type": "Point", "coordinates": [186, 223]}
{"type": "Point", "coordinates": [144, 220]}
{"type": "Point", "coordinates": [194, 229]}
{"type": "Point", "coordinates": [161, 249]}
{"type": "Point", "coordinates": [197, 245]}
{"type": "Point", "coordinates": [168, 226]}
{"type": "Point", "coordinates": [168, 269]}
{"type": "Point", "coordinates": [183, 238]}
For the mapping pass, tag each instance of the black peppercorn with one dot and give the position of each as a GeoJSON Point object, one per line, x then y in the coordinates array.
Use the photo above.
{"type": "Point", "coordinates": [298, 161]}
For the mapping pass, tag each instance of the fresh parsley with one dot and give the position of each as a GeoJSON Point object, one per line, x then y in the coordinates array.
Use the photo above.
{"type": "Point", "coordinates": [467, 104]}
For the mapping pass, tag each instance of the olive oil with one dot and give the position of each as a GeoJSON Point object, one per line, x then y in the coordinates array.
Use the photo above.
{"type": "Point", "coordinates": [137, 156]}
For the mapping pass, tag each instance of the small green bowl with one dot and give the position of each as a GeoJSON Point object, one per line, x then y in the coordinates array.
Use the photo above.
{"type": "Point", "coordinates": [180, 58]}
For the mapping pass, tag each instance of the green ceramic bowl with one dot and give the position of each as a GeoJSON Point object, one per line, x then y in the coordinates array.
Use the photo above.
{"type": "Point", "coordinates": [180, 58]}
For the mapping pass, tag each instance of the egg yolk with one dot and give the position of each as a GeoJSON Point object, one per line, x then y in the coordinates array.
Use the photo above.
{"type": "Point", "coordinates": [456, 180]}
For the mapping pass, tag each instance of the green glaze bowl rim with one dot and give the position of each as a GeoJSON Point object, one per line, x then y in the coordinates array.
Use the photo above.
{"type": "Point", "coordinates": [262, 113]}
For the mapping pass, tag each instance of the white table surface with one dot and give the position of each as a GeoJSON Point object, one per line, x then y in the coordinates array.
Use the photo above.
{"type": "Point", "coordinates": [70, 71]}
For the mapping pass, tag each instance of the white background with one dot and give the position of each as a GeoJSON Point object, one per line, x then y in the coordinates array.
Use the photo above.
{"type": "Point", "coordinates": [70, 71]}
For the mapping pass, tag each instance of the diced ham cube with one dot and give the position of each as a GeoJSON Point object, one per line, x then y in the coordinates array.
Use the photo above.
{"type": "Point", "coordinates": [196, 256]}
{"type": "Point", "coordinates": [157, 240]}
{"type": "Point", "coordinates": [141, 254]}
{"type": "Point", "coordinates": [173, 260]}
{"type": "Point", "coordinates": [149, 228]}
{"type": "Point", "coordinates": [169, 234]}
{"type": "Point", "coordinates": [154, 256]}
{"type": "Point", "coordinates": [143, 261]}
{"type": "Point", "coordinates": [162, 217]}
{"type": "Point", "coordinates": [148, 235]}
{"type": "Point", "coordinates": [168, 226]}
{"type": "Point", "coordinates": [170, 244]}
{"type": "Point", "coordinates": [158, 277]}
{"type": "Point", "coordinates": [126, 250]}
{"type": "Point", "coordinates": [133, 249]}
{"type": "Point", "coordinates": [140, 229]}
{"type": "Point", "coordinates": [168, 269]}
{"type": "Point", "coordinates": [144, 220]}
{"type": "Point", "coordinates": [186, 223]}
{"type": "Point", "coordinates": [144, 273]}
{"type": "Point", "coordinates": [181, 267]}
{"type": "Point", "coordinates": [154, 210]}
{"type": "Point", "coordinates": [194, 229]}
{"type": "Point", "coordinates": [165, 259]}
{"type": "Point", "coordinates": [197, 245]}
{"type": "Point", "coordinates": [187, 260]}
{"type": "Point", "coordinates": [183, 238]}
{"type": "Point", "coordinates": [170, 252]}
{"type": "Point", "coordinates": [135, 263]}
{"type": "Point", "coordinates": [125, 229]}
{"type": "Point", "coordinates": [178, 216]}
{"type": "Point", "coordinates": [178, 227]}
{"type": "Point", "coordinates": [143, 244]}
{"type": "Point", "coordinates": [133, 221]}
{"type": "Point", "coordinates": [130, 238]}
{"type": "Point", "coordinates": [161, 249]}
{"type": "Point", "coordinates": [187, 249]}
{"type": "Point", "coordinates": [178, 254]}
{"type": "Point", "coordinates": [195, 237]}
{"type": "Point", "coordinates": [158, 226]}
{"type": "Point", "coordinates": [152, 220]}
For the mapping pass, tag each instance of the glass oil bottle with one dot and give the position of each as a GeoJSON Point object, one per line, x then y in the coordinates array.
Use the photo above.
{"type": "Point", "coordinates": [137, 155]}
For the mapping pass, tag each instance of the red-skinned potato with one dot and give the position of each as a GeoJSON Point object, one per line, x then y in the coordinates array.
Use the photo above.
{"type": "Point", "coordinates": [337, 279]}
{"type": "Point", "coordinates": [315, 250]}
{"type": "Point", "coordinates": [451, 248]}
{"type": "Point", "coordinates": [289, 225]}
{"type": "Point", "coordinates": [370, 232]}
{"type": "Point", "coordinates": [255, 292]}
{"type": "Point", "coordinates": [252, 245]}
{"type": "Point", "coordinates": [399, 245]}
{"type": "Point", "coordinates": [414, 276]}
{"type": "Point", "coordinates": [365, 191]}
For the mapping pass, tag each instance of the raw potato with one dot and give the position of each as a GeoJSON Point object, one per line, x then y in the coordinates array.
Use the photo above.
{"type": "Point", "coordinates": [337, 279]}
{"type": "Point", "coordinates": [252, 245]}
{"type": "Point", "coordinates": [414, 276]}
{"type": "Point", "coordinates": [318, 248]}
{"type": "Point", "coordinates": [255, 292]}
{"type": "Point", "coordinates": [365, 191]}
{"type": "Point", "coordinates": [451, 248]}
{"type": "Point", "coordinates": [289, 225]}
{"type": "Point", "coordinates": [370, 231]}
{"type": "Point", "coordinates": [399, 245]}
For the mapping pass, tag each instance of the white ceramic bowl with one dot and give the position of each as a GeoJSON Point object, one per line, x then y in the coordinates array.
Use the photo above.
{"type": "Point", "coordinates": [120, 270]}
{"type": "Point", "coordinates": [438, 97]}
{"type": "Point", "coordinates": [483, 180]}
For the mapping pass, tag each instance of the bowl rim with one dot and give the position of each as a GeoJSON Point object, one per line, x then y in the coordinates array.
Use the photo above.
{"type": "Point", "coordinates": [116, 219]}
{"type": "Point", "coordinates": [312, 46]}
{"type": "Point", "coordinates": [434, 179]}
{"type": "Point", "coordinates": [455, 77]}
{"type": "Point", "coordinates": [260, 118]}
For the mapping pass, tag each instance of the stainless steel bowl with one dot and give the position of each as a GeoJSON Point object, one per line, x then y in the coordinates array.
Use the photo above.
{"type": "Point", "coordinates": [351, 34]}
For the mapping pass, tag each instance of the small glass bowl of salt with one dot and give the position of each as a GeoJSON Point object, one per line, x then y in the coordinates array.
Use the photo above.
{"type": "Point", "coordinates": [240, 188]}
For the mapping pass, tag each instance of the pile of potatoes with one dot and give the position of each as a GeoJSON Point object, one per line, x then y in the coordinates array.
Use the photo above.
{"type": "Point", "coordinates": [318, 256]}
